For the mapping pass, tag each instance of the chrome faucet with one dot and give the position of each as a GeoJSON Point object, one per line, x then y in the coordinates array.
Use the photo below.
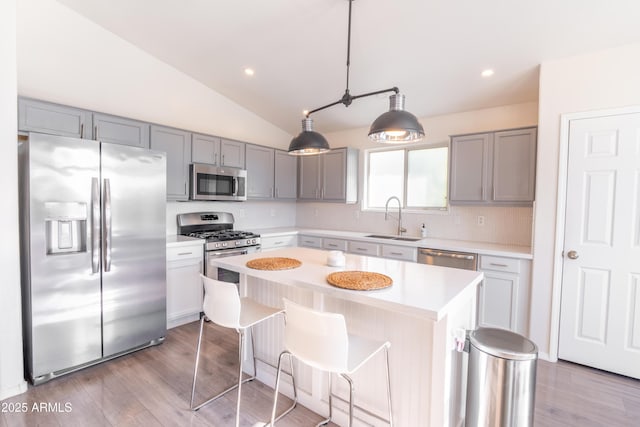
{"type": "Point", "coordinates": [386, 214]}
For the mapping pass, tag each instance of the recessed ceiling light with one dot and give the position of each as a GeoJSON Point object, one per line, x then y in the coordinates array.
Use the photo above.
{"type": "Point", "coordinates": [249, 71]}
{"type": "Point", "coordinates": [487, 73]}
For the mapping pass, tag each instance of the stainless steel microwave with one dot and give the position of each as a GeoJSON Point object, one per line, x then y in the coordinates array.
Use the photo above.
{"type": "Point", "coordinates": [209, 182]}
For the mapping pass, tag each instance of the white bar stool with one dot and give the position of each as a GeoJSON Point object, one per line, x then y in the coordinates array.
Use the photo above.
{"type": "Point", "coordinates": [320, 340]}
{"type": "Point", "coordinates": [223, 306]}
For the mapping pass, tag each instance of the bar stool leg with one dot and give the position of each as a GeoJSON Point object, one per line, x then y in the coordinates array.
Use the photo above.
{"type": "Point", "coordinates": [327, 420]}
{"type": "Point", "coordinates": [240, 353]}
{"type": "Point", "coordinates": [351, 392]}
{"type": "Point", "coordinates": [386, 357]}
{"type": "Point", "coordinates": [272, 423]}
{"type": "Point", "coordinates": [195, 370]}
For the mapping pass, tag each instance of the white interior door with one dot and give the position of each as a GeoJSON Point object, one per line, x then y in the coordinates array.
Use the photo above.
{"type": "Point", "coordinates": [600, 307]}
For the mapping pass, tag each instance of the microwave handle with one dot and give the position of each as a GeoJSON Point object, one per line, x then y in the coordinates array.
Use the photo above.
{"type": "Point", "coordinates": [234, 189]}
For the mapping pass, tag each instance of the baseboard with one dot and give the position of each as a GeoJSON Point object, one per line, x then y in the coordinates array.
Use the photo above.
{"type": "Point", "coordinates": [20, 388]}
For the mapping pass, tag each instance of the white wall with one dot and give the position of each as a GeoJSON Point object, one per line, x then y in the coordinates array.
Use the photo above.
{"type": "Point", "coordinates": [595, 81]}
{"type": "Point", "coordinates": [63, 57]}
{"type": "Point", "coordinates": [507, 225]}
{"type": "Point", "coordinates": [11, 371]}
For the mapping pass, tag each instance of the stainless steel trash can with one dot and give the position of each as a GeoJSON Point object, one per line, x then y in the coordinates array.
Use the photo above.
{"type": "Point", "coordinates": [501, 379]}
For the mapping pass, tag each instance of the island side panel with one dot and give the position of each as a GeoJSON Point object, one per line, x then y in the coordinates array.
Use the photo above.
{"type": "Point", "coordinates": [449, 385]}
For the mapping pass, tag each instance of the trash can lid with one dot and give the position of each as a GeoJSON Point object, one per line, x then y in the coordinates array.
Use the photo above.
{"type": "Point", "coordinates": [504, 344]}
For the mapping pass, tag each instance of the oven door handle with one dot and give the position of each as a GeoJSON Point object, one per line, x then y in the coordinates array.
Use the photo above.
{"type": "Point", "coordinates": [226, 253]}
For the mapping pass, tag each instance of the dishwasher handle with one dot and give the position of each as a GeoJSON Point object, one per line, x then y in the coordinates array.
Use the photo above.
{"type": "Point", "coordinates": [431, 252]}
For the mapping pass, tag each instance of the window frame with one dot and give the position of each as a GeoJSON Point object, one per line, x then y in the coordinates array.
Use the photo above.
{"type": "Point", "coordinates": [406, 149]}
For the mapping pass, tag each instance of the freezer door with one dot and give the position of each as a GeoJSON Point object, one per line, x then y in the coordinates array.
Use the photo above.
{"type": "Point", "coordinates": [134, 247]}
{"type": "Point", "coordinates": [61, 283]}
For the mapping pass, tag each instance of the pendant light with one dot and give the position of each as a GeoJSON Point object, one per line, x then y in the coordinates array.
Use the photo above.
{"type": "Point", "coordinates": [394, 126]}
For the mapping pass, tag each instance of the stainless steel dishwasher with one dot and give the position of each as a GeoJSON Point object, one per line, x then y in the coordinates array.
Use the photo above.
{"type": "Point", "coordinates": [464, 260]}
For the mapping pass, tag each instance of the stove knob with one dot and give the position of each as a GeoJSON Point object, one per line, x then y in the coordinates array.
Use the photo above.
{"type": "Point", "coordinates": [253, 241]}
{"type": "Point", "coordinates": [248, 241]}
{"type": "Point", "coordinates": [217, 245]}
{"type": "Point", "coordinates": [224, 244]}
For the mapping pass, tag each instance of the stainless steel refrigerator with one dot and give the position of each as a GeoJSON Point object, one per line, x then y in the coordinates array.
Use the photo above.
{"type": "Point", "coordinates": [93, 252]}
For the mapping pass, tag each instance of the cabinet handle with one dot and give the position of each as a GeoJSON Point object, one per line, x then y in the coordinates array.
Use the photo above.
{"type": "Point", "coordinates": [222, 162]}
{"type": "Point", "coordinates": [332, 245]}
{"type": "Point", "coordinates": [322, 193]}
{"type": "Point", "coordinates": [215, 158]}
{"type": "Point", "coordinates": [81, 130]}
{"type": "Point", "coordinates": [395, 253]}
{"type": "Point", "coordinates": [95, 132]}
{"type": "Point", "coordinates": [184, 253]}
{"type": "Point", "coordinates": [361, 249]}
{"type": "Point", "coordinates": [278, 243]}
{"type": "Point", "coordinates": [495, 264]}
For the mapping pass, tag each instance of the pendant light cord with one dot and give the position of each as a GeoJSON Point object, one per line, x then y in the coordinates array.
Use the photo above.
{"type": "Point", "coordinates": [347, 98]}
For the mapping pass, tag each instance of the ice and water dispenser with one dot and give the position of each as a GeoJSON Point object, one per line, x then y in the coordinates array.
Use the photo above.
{"type": "Point", "coordinates": [66, 227]}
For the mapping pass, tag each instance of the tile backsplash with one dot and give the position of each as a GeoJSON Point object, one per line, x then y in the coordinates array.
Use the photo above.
{"type": "Point", "coordinates": [504, 225]}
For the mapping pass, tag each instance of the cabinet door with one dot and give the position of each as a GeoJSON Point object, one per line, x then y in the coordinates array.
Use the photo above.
{"type": "Point", "coordinates": [498, 301]}
{"type": "Point", "coordinates": [514, 163]}
{"type": "Point", "coordinates": [232, 153]}
{"type": "Point", "coordinates": [286, 172]}
{"type": "Point", "coordinates": [184, 291]}
{"type": "Point", "coordinates": [309, 177]}
{"type": "Point", "coordinates": [469, 166]}
{"type": "Point", "coordinates": [118, 130]}
{"type": "Point", "coordinates": [260, 163]}
{"type": "Point", "coordinates": [205, 149]}
{"type": "Point", "coordinates": [53, 119]}
{"type": "Point", "coordinates": [177, 144]}
{"type": "Point", "coordinates": [334, 175]}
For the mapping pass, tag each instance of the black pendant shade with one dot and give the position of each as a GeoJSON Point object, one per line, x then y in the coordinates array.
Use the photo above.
{"type": "Point", "coordinates": [308, 142]}
{"type": "Point", "coordinates": [394, 126]}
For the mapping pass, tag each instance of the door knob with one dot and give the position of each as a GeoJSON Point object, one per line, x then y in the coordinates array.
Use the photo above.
{"type": "Point", "coordinates": [572, 255]}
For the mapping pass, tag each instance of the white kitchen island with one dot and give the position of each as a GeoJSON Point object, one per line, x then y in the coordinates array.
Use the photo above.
{"type": "Point", "coordinates": [417, 314]}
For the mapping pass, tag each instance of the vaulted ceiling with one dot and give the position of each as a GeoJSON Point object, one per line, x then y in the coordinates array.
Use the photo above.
{"type": "Point", "coordinates": [433, 50]}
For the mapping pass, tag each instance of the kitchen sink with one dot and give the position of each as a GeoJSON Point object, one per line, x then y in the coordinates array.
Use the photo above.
{"type": "Point", "coordinates": [404, 239]}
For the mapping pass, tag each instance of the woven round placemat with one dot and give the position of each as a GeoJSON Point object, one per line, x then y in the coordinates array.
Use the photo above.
{"type": "Point", "coordinates": [273, 263]}
{"type": "Point", "coordinates": [359, 280]}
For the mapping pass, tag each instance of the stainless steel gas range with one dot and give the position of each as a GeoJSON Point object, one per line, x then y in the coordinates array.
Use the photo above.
{"type": "Point", "coordinates": [221, 240]}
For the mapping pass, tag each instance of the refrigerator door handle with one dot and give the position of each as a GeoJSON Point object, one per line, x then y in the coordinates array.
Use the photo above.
{"type": "Point", "coordinates": [106, 217]}
{"type": "Point", "coordinates": [95, 225]}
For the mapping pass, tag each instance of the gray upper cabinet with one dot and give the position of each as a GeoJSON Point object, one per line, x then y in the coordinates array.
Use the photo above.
{"type": "Point", "coordinates": [330, 177]}
{"type": "Point", "coordinates": [286, 171]}
{"type": "Point", "coordinates": [309, 177]}
{"type": "Point", "coordinates": [118, 130]}
{"type": "Point", "coordinates": [468, 167]}
{"type": "Point", "coordinates": [514, 165]}
{"type": "Point", "coordinates": [177, 144]}
{"type": "Point", "coordinates": [260, 172]}
{"type": "Point", "coordinates": [54, 119]}
{"type": "Point", "coordinates": [493, 167]}
{"type": "Point", "coordinates": [205, 149]}
{"type": "Point", "coordinates": [232, 153]}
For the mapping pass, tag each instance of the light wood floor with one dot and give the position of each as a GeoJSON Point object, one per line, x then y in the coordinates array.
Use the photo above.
{"type": "Point", "coordinates": [152, 388]}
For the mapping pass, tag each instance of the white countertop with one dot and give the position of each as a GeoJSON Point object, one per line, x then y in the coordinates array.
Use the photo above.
{"type": "Point", "coordinates": [483, 248]}
{"type": "Point", "coordinates": [418, 289]}
{"type": "Point", "coordinates": [176, 240]}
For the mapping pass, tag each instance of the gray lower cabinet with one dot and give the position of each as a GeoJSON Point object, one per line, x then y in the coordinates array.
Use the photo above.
{"type": "Point", "coordinates": [177, 144]}
{"type": "Point", "coordinates": [232, 153]}
{"type": "Point", "coordinates": [331, 177]}
{"type": "Point", "coordinates": [493, 167]}
{"type": "Point", "coordinates": [285, 173]}
{"type": "Point", "coordinates": [205, 149]}
{"type": "Point", "coordinates": [54, 119]}
{"type": "Point", "coordinates": [118, 130]}
{"type": "Point", "coordinates": [260, 172]}
{"type": "Point", "coordinates": [184, 285]}
{"type": "Point", "coordinates": [503, 295]}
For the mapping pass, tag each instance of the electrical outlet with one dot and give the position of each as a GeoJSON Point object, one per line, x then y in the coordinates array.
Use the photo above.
{"type": "Point", "coordinates": [480, 220]}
